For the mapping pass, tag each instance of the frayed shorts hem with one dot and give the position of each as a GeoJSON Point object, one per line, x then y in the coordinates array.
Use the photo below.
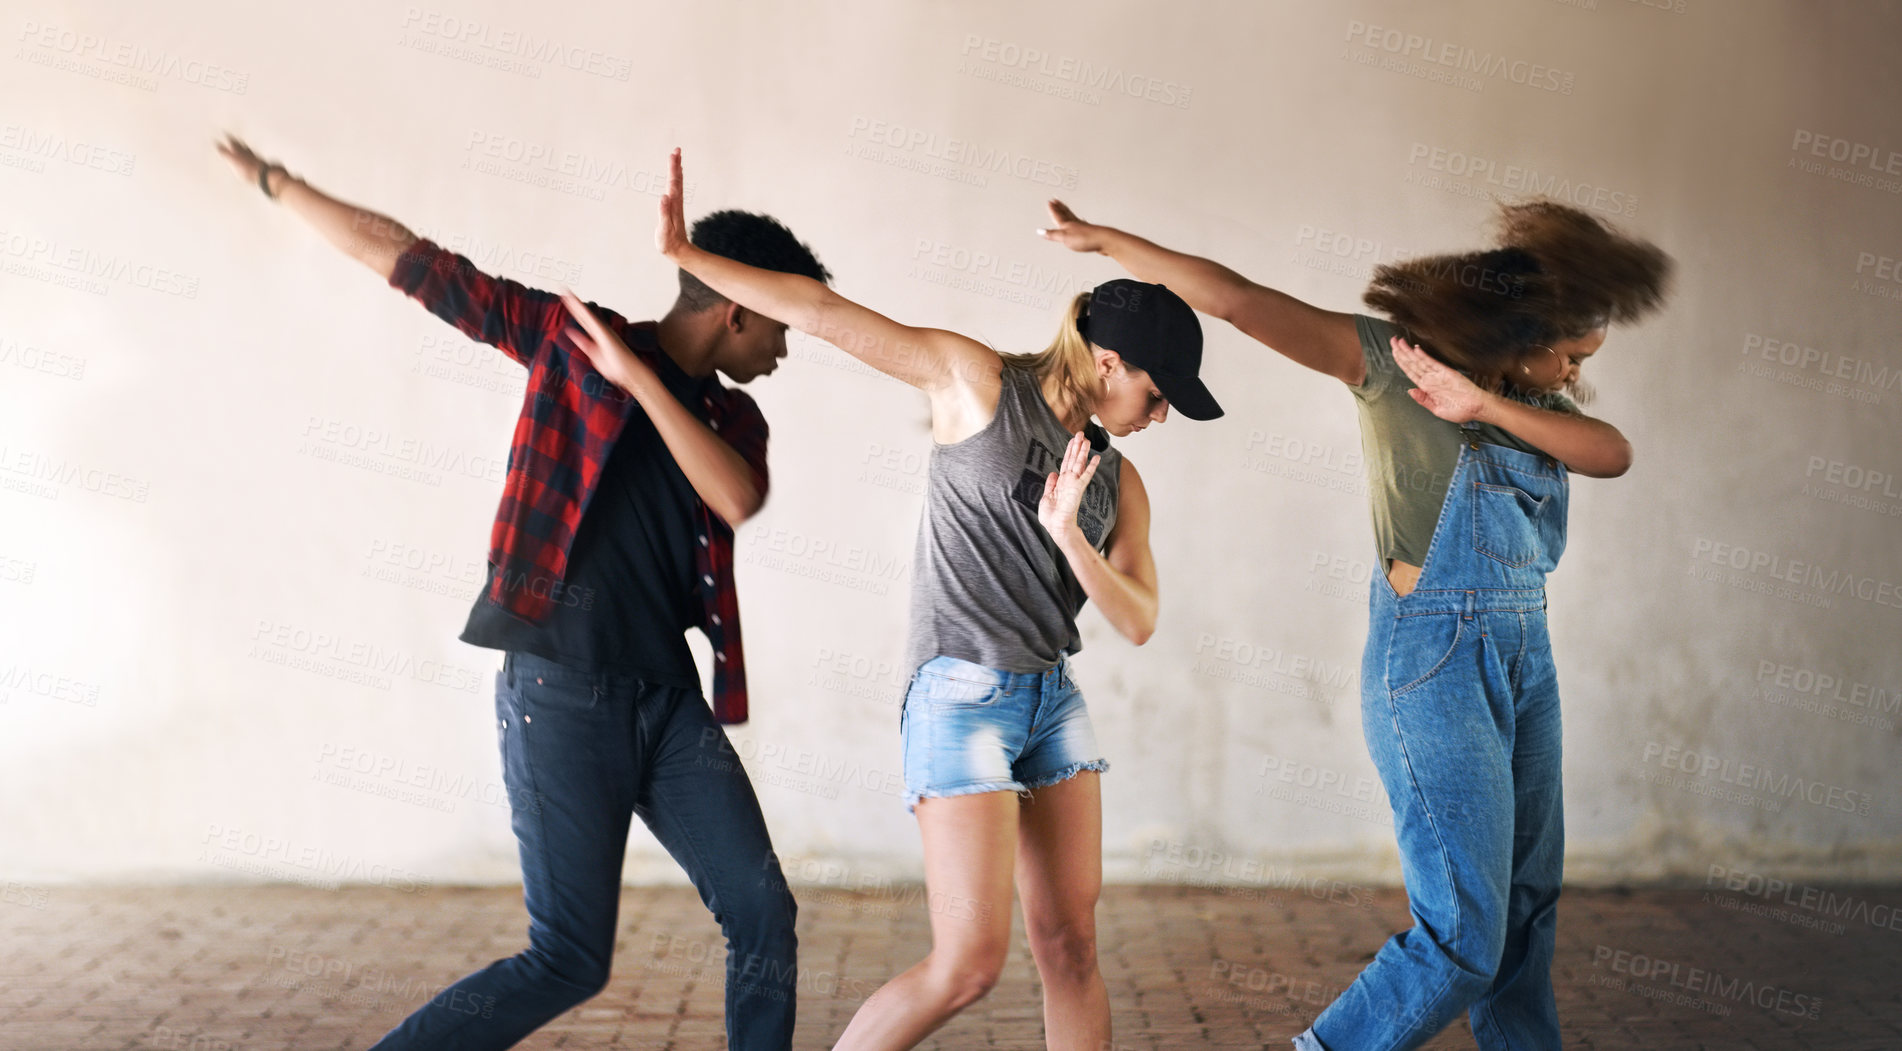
{"type": "Point", "coordinates": [1068, 772]}
{"type": "Point", "coordinates": [972, 789]}
{"type": "Point", "coordinates": [1022, 788]}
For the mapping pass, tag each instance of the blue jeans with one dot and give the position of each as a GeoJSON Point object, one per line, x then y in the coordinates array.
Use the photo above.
{"type": "Point", "coordinates": [967, 729]}
{"type": "Point", "coordinates": [582, 751]}
{"type": "Point", "coordinates": [1460, 709]}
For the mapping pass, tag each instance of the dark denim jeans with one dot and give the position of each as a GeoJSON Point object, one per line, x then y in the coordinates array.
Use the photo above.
{"type": "Point", "coordinates": [582, 751]}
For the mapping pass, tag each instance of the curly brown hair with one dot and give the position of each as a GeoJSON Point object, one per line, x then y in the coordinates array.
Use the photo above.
{"type": "Point", "coordinates": [1555, 273]}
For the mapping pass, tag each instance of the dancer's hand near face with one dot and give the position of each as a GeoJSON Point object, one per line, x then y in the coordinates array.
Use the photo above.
{"type": "Point", "coordinates": [1121, 578]}
{"type": "Point", "coordinates": [1445, 392]}
{"type": "Point", "coordinates": [1063, 488]}
{"type": "Point", "coordinates": [718, 473]}
{"type": "Point", "coordinates": [606, 352]}
{"type": "Point", "coordinates": [1584, 445]}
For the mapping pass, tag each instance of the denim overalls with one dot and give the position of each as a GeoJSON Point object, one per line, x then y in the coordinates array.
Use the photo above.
{"type": "Point", "coordinates": [1460, 708]}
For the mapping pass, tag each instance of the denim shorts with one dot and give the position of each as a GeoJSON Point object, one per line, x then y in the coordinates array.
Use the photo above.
{"type": "Point", "coordinates": [970, 729]}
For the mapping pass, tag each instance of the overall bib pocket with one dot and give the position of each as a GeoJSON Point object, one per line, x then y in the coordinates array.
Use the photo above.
{"type": "Point", "coordinates": [1507, 524]}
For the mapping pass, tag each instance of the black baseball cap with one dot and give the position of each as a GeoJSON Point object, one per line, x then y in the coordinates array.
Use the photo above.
{"type": "Point", "coordinates": [1154, 330]}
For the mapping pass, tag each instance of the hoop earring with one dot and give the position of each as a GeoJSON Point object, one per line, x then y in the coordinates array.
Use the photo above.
{"type": "Point", "coordinates": [1525, 369]}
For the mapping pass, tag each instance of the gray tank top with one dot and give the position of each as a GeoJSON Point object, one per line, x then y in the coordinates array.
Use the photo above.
{"type": "Point", "coordinates": [988, 584]}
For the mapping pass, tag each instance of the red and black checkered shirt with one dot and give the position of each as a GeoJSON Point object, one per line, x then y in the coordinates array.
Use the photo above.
{"type": "Point", "coordinates": [570, 419]}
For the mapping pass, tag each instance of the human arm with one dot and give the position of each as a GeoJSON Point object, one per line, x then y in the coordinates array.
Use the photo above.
{"type": "Point", "coordinates": [730, 485]}
{"type": "Point", "coordinates": [959, 373]}
{"type": "Point", "coordinates": [1585, 445]}
{"type": "Point", "coordinates": [1323, 340]}
{"type": "Point", "coordinates": [374, 240]}
{"type": "Point", "coordinates": [1121, 581]}
{"type": "Point", "coordinates": [505, 314]}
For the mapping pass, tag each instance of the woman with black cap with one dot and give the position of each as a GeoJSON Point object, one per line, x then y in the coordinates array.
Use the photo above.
{"type": "Point", "coordinates": [1459, 699]}
{"type": "Point", "coordinates": [1029, 512]}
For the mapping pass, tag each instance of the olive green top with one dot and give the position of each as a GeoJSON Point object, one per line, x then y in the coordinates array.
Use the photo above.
{"type": "Point", "coordinates": [1410, 452]}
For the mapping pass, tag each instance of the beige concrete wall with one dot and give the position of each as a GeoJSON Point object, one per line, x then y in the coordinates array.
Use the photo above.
{"type": "Point", "coordinates": [235, 468]}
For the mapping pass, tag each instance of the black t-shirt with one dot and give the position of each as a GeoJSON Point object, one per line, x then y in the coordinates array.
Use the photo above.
{"type": "Point", "coordinates": [630, 591]}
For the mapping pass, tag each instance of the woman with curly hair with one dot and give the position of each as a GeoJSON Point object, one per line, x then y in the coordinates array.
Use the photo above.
{"type": "Point", "coordinates": [1459, 698]}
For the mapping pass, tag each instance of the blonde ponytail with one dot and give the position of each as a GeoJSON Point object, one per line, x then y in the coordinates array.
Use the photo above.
{"type": "Point", "coordinates": [1069, 360]}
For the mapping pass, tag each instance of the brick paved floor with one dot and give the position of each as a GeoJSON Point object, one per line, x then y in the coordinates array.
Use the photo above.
{"type": "Point", "coordinates": [290, 967]}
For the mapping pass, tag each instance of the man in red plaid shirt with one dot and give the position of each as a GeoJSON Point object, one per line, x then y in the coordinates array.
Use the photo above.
{"type": "Point", "coordinates": [631, 464]}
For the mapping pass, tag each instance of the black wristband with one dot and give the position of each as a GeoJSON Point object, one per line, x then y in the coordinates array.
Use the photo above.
{"type": "Point", "coordinates": [264, 179]}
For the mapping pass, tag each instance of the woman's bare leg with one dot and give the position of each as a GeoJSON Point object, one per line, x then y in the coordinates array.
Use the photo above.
{"type": "Point", "coordinates": [970, 845]}
{"type": "Point", "coordinates": [1059, 878]}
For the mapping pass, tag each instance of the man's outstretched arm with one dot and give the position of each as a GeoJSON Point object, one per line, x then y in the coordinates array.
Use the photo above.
{"type": "Point", "coordinates": [374, 240]}
{"type": "Point", "coordinates": [507, 315]}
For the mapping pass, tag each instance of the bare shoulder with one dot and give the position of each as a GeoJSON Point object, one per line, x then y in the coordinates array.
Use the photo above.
{"type": "Point", "coordinates": [965, 362]}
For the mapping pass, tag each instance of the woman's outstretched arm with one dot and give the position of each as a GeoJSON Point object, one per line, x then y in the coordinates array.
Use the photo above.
{"type": "Point", "coordinates": [945, 365]}
{"type": "Point", "coordinates": [1323, 340]}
